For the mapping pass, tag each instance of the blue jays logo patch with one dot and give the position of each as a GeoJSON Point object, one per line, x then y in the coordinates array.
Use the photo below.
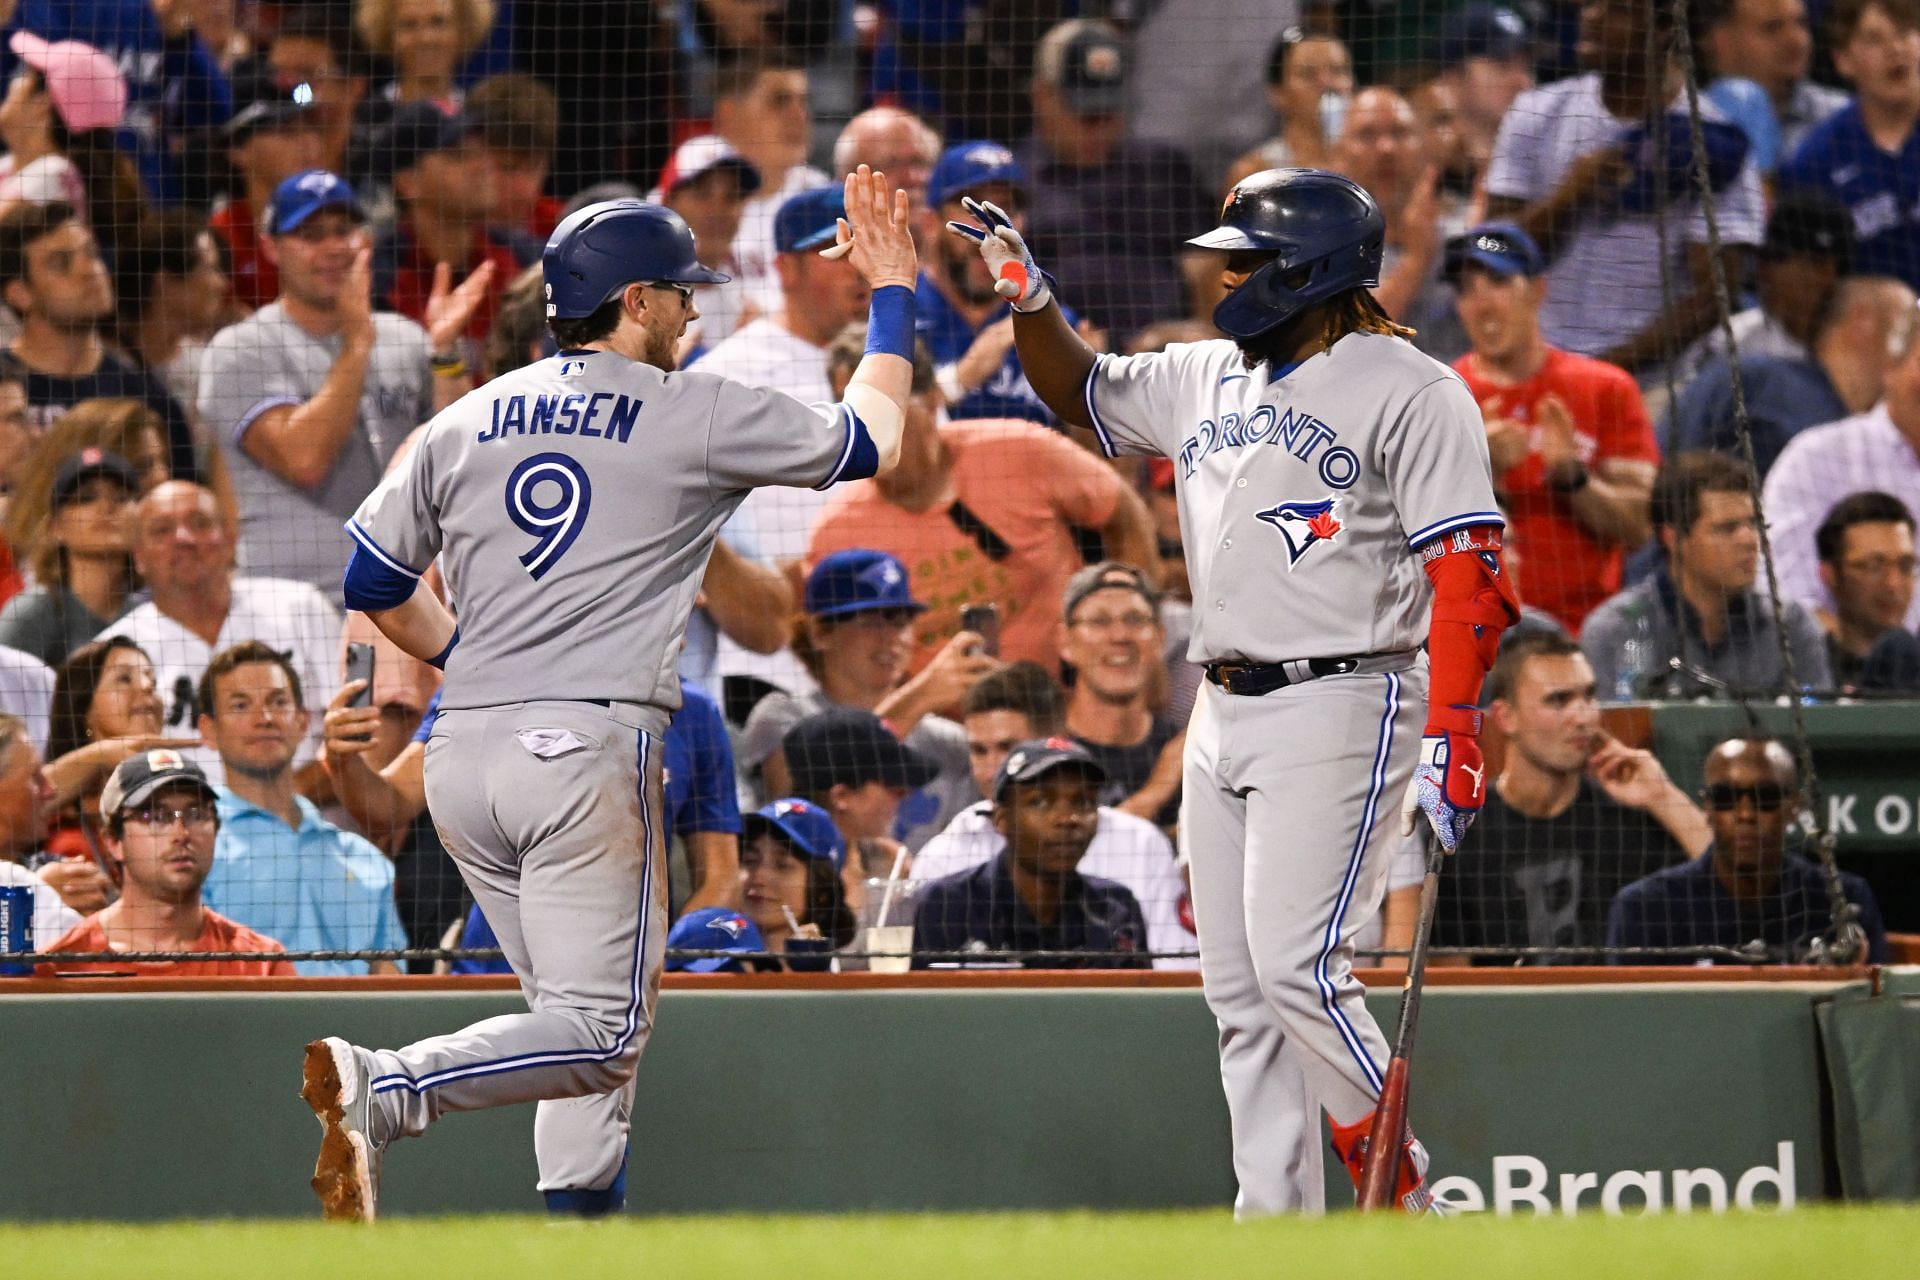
{"type": "Point", "coordinates": [1303, 525]}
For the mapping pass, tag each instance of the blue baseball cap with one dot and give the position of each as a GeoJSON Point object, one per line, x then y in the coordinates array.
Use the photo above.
{"type": "Point", "coordinates": [715, 929]}
{"type": "Point", "coordinates": [855, 582]}
{"type": "Point", "coordinates": [965, 167]}
{"type": "Point", "coordinates": [305, 194]}
{"type": "Point", "coordinates": [804, 826]}
{"type": "Point", "coordinates": [1500, 247]}
{"type": "Point", "coordinates": [807, 221]}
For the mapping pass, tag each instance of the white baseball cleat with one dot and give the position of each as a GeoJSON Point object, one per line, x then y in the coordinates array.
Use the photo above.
{"type": "Point", "coordinates": [338, 1086]}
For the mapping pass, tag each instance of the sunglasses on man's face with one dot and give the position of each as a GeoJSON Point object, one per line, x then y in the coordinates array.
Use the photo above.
{"type": "Point", "coordinates": [1766, 797]}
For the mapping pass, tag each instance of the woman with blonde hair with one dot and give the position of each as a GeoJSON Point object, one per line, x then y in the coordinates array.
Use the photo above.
{"type": "Point", "coordinates": [426, 40]}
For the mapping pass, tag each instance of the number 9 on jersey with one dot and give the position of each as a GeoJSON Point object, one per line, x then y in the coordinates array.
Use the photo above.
{"type": "Point", "coordinates": [548, 496]}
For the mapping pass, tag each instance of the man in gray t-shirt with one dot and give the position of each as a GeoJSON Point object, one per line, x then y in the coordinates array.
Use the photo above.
{"type": "Point", "coordinates": [312, 394]}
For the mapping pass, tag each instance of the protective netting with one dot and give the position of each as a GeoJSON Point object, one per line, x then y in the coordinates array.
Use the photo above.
{"type": "Point", "coordinates": [248, 249]}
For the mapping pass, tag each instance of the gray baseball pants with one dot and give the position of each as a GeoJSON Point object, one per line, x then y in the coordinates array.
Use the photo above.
{"type": "Point", "coordinates": [542, 807]}
{"type": "Point", "coordinates": [1290, 811]}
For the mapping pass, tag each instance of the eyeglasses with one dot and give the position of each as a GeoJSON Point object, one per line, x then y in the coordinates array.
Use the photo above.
{"type": "Point", "coordinates": [684, 290]}
{"type": "Point", "coordinates": [1140, 621]}
{"type": "Point", "coordinates": [1766, 797]}
{"type": "Point", "coordinates": [159, 817]}
{"type": "Point", "coordinates": [1880, 566]}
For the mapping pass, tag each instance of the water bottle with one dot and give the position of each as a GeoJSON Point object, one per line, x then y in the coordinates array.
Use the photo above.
{"type": "Point", "coordinates": [1636, 659]}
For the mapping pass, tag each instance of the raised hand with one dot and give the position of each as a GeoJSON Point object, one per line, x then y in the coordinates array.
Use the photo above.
{"type": "Point", "coordinates": [1016, 277]}
{"type": "Point", "coordinates": [356, 298]}
{"type": "Point", "coordinates": [349, 730]}
{"type": "Point", "coordinates": [876, 233]}
{"type": "Point", "coordinates": [449, 309]}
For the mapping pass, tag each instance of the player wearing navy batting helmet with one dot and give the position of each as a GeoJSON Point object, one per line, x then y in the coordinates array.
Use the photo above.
{"type": "Point", "coordinates": [571, 506]}
{"type": "Point", "coordinates": [1337, 510]}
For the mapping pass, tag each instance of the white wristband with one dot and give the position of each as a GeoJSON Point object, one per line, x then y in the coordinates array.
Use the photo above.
{"type": "Point", "coordinates": [947, 378]}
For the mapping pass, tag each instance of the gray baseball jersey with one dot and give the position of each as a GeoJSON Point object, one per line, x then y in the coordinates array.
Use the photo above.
{"type": "Point", "coordinates": [268, 362]}
{"type": "Point", "coordinates": [573, 505]}
{"type": "Point", "coordinates": [1303, 496]}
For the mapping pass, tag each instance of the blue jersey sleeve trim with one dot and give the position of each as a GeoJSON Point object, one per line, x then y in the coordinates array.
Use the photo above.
{"type": "Point", "coordinates": [859, 456]}
{"type": "Point", "coordinates": [439, 660]}
{"type": "Point", "coordinates": [1093, 413]}
{"type": "Point", "coordinates": [369, 584]}
{"type": "Point", "coordinates": [253, 415]}
{"type": "Point", "coordinates": [1448, 525]}
{"type": "Point", "coordinates": [375, 550]}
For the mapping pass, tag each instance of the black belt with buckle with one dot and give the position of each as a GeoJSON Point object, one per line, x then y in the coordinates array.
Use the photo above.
{"type": "Point", "coordinates": [1251, 679]}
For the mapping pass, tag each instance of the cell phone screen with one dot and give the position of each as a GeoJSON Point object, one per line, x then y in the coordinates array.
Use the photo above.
{"type": "Point", "coordinates": [360, 667]}
{"type": "Point", "coordinates": [983, 620]}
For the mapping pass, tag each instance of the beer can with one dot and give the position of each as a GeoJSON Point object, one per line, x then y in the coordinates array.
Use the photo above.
{"type": "Point", "coordinates": [16, 928]}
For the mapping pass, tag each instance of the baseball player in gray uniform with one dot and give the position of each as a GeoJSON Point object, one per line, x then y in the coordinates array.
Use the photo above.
{"type": "Point", "coordinates": [572, 506]}
{"type": "Point", "coordinates": [1338, 511]}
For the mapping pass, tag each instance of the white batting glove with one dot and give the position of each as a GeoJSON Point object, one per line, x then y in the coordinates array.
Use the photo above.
{"type": "Point", "coordinates": [1015, 275]}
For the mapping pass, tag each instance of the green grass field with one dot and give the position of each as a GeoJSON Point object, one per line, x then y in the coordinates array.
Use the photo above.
{"type": "Point", "coordinates": [1855, 1243]}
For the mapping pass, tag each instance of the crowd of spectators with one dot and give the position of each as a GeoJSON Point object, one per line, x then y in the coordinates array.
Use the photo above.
{"type": "Point", "coordinates": [246, 251]}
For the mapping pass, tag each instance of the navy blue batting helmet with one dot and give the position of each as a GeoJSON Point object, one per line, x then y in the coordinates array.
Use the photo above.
{"type": "Point", "coordinates": [1324, 231]}
{"type": "Point", "coordinates": [597, 251]}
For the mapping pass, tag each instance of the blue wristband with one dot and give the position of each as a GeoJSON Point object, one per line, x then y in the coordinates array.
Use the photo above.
{"type": "Point", "coordinates": [890, 322]}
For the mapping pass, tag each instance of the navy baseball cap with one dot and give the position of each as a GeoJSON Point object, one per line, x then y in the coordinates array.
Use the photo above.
{"type": "Point", "coordinates": [1810, 223]}
{"type": "Point", "coordinates": [417, 130]}
{"type": "Point", "coordinates": [804, 826]}
{"type": "Point", "coordinates": [261, 102]}
{"type": "Point", "coordinates": [1500, 247]}
{"type": "Point", "coordinates": [851, 746]}
{"type": "Point", "coordinates": [965, 167]}
{"type": "Point", "coordinates": [1482, 31]}
{"type": "Point", "coordinates": [78, 468]}
{"type": "Point", "coordinates": [857, 581]}
{"type": "Point", "coordinates": [305, 194]}
{"type": "Point", "coordinates": [716, 929]}
{"type": "Point", "coordinates": [1031, 761]}
{"type": "Point", "coordinates": [807, 221]}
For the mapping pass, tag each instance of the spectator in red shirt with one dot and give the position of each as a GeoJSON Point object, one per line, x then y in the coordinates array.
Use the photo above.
{"type": "Point", "coordinates": [161, 822]}
{"type": "Point", "coordinates": [517, 121]}
{"type": "Point", "coordinates": [443, 183]}
{"type": "Point", "coordinates": [1573, 451]}
{"type": "Point", "coordinates": [270, 138]}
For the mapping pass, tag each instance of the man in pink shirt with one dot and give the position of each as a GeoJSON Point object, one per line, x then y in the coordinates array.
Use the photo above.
{"type": "Point", "coordinates": [982, 512]}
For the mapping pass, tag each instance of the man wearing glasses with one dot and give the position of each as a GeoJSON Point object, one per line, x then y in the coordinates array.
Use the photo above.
{"type": "Point", "coordinates": [161, 824]}
{"type": "Point", "coordinates": [311, 395]}
{"type": "Point", "coordinates": [1867, 565]}
{"type": "Point", "coordinates": [1117, 653]}
{"type": "Point", "coordinates": [1746, 891]}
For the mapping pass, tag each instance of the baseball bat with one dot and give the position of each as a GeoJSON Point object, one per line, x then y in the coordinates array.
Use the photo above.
{"type": "Point", "coordinates": [1390, 1117]}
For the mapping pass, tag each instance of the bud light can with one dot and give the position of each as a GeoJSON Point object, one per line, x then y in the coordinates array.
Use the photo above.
{"type": "Point", "coordinates": [16, 928]}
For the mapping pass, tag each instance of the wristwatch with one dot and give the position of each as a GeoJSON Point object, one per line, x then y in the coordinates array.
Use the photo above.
{"type": "Point", "coordinates": [1570, 482]}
